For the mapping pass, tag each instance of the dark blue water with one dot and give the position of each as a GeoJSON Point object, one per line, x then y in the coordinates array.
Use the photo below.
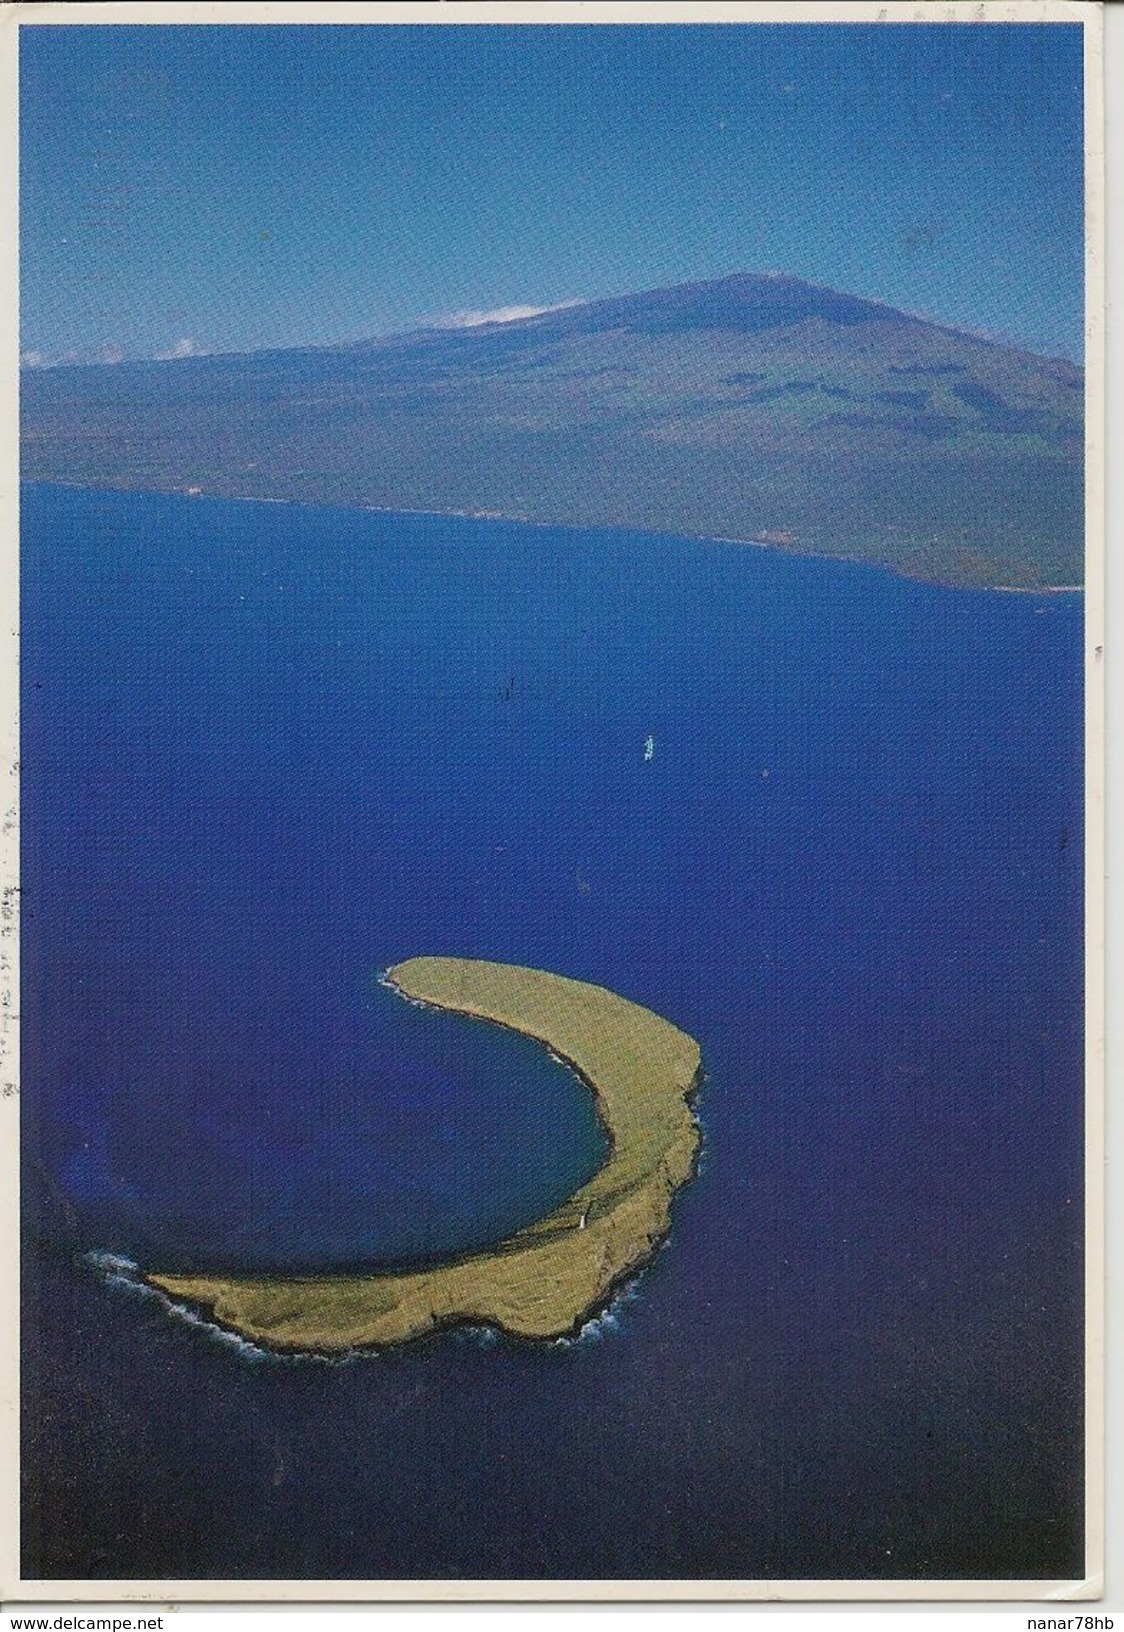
{"type": "Point", "coordinates": [269, 751]}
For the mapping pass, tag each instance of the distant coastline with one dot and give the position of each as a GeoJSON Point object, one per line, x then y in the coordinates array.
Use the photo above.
{"type": "Point", "coordinates": [548, 1279]}
{"type": "Point", "coordinates": [762, 542]}
{"type": "Point", "coordinates": [756, 408]}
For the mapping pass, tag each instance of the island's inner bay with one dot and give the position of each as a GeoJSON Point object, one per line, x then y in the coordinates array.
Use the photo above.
{"type": "Point", "coordinates": [543, 1281]}
{"type": "Point", "coordinates": [825, 820]}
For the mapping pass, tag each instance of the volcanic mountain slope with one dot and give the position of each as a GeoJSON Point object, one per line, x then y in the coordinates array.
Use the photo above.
{"type": "Point", "coordinates": [755, 407]}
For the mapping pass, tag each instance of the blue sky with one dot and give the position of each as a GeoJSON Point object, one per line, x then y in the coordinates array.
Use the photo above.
{"type": "Point", "coordinates": [227, 188]}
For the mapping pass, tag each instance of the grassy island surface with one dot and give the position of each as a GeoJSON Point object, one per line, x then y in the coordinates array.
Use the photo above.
{"type": "Point", "coordinates": [546, 1279]}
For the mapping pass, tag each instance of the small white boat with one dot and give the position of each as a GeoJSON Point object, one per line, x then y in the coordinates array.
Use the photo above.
{"type": "Point", "coordinates": [649, 749]}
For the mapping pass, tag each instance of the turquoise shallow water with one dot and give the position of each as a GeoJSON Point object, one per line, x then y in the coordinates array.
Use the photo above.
{"type": "Point", "coordinates": [269, 751]}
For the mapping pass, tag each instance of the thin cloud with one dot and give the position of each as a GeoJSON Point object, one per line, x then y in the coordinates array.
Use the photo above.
{"type": "Point", "coordinates": [74, 358]}
{"type": "Point", "coordinates": [499, 314]}
{"type": "Point", "coordinates": [181, 349]}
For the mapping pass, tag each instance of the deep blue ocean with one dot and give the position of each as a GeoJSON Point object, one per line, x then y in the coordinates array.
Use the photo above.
{"type": "Point", "coordinates": [270, 750]}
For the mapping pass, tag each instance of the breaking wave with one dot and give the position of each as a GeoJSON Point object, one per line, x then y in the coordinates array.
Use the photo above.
{"type": "Point", "coordinates": [122, 1273]}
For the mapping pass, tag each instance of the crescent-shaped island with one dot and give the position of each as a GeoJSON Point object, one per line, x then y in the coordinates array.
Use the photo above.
{"type": "Point", "coordinates": [548, 1278]}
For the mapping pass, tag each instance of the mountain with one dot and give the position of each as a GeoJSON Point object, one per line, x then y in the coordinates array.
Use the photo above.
{"type": "Point", "coordinates": [755, 407]}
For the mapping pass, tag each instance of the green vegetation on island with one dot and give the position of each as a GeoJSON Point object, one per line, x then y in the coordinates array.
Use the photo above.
{"type": "Point", "coordinates": [548, 1278]}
